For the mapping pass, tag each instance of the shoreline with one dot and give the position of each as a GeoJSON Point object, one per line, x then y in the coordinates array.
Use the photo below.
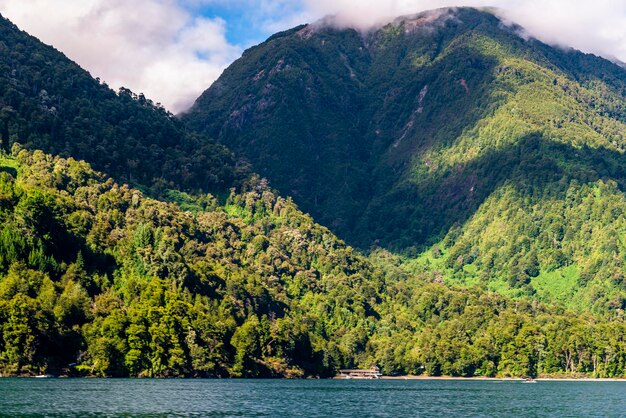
{"type": "Point", "coordinates": [499, 379]}
{"type": "Point", "coordinates": [339, 377]}
{"type": "Point", "coordinates": [505, 379]}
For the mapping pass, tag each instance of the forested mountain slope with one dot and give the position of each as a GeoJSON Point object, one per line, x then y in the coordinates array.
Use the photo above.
{"type": "Point", "coordinates": [48, 102]}
{"type": "Point", "coordinates": [97, 279]}
{"type": "Point", "coordinates": [446, 137]}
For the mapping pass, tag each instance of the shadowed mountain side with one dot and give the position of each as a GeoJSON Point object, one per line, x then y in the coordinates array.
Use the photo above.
{"type": "Point", "coordinates": [535, 166]}
{"type": "Point", "coordinates": [341, 120]}
{"type": "Point", "coordinates": [316, 110]}
{"type": "Point", "coordinates": [299, 101]}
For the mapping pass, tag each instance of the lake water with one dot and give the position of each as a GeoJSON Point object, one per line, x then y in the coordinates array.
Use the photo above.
{"type": "Point", "coordinates": [308, 398]}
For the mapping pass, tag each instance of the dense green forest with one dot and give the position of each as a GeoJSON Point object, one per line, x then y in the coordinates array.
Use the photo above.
{"type": "Point", "coordinates": [99, 280]}
{"type": "Point", "coordinates": [170, 257]}
{"type": "Point", "coordinates": [48, 102]}
{"type": "Point", "coordinates": [448, 139]}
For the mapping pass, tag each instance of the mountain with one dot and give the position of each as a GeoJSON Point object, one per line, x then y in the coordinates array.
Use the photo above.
{"type": "Point", "coordinates": [97, 279]}
{"type": "Point", "coordinates": [447, 137]}
{"type": "Point", "coordinates": [48, 102]}
{"type": "Point", "coordinates": [100, 278]}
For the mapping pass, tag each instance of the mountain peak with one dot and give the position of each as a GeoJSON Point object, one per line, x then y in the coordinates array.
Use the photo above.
{"type": "Point", "coordinates": [482, 159]}
{"type": "Point", "coordinates": [425, 19]}
{"type": "Point", "coordinates": [398, 136]}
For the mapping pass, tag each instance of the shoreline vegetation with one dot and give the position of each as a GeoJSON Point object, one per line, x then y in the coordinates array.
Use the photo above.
{"type": "Point", "coordinates": [114, 308]}
{"type": "Point", "coordinates": [539, 379]}
{"type": "Point", "coordinates": [339, 377]}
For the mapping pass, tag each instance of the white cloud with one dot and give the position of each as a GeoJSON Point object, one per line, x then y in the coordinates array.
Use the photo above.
{"type": "Point", "coordinates": [597, 26]}
{"type": "Point", "coordinates": [149, 46]}
{"type": "Point", "coordinates": [160, 48]}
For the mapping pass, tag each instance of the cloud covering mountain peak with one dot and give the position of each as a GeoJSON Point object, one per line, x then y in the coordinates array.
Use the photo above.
{"type": "Point", "coordinates": [171, 50]}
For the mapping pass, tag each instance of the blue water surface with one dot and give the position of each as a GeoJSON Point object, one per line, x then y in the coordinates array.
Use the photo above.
{"type": "Point", "coordinates": [308, 398]}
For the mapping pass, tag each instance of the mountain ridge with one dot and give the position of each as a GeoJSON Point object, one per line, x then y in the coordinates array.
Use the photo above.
{"type": "Point", "coordinates": [395, 138]}
{"type": "Point", "coordinates": [47, 100]}
{"type": "Point", "coordinates": [99, 278]}
{"type": "Point", "coordinates": [301, 32]}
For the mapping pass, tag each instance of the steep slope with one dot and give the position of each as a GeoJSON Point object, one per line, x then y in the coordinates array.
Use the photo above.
{"type": "Point", "coordinates": [449, 129]}
{"type": "Point", "coordinates": [97, 279]}
{"type": "Point", "coordinates": [48, 102]}
{"type": "Point", "coordinates": [96, 275]}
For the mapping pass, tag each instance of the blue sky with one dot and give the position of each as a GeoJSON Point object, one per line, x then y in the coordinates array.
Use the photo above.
{"type": "Point", "coordinates": [172, 50]}
{"type": "Point", "coordinates": [239, 29]}
{"type": "Point", "coordinates": [250, 22]}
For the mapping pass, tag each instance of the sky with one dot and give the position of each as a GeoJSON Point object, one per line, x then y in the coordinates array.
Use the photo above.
{"type": "Point", "coordinates": [172, 50]}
